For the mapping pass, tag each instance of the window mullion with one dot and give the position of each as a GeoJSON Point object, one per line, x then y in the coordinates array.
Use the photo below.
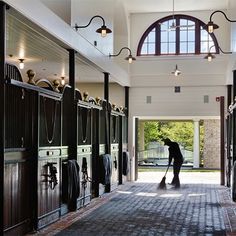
{"type": "Point", "coordinates": [177, 39]}
{"type": "Point", "coordinates": [158, 40]}
{"type": "Point", "coordinates": [197, 38]}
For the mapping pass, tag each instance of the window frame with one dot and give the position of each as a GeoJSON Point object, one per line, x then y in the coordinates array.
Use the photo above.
{"type": "Point", "coordinates": [177, 17]}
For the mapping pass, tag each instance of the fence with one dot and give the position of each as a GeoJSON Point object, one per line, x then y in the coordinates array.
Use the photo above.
{"type": "Point", "coordinates": [159, 156]}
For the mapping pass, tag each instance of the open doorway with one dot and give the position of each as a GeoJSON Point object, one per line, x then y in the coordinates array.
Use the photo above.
{"type": "Point", "coordinates": [153, 155]}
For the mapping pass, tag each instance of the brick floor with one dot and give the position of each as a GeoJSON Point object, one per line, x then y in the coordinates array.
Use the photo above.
{"type": "Point", "coordinates": [200, 207]}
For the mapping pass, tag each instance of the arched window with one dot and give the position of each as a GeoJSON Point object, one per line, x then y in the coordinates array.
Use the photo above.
{"type": "Point", "coordinates": [177, 35]}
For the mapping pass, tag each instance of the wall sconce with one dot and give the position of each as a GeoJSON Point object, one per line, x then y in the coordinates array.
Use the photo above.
{"type": "Point", "coordinates": [130, 58]}
{"type": "Point", "coordinates": [103, 30]}
{"type": "Point", "coordinates": [21, 64]}
{"type": "Point", "coordinates": [176, 71]}
{"type": "Point", "coordinates": [210, 56]}
{"type": "Point", "coordinates": [211, 26]}
{"type": "Point", "coordinates": [63, 81]}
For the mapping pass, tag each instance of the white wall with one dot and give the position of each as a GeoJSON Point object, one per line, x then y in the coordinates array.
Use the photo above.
{"type": "Point", "coordinates": [165, 102]}
{"type": "Point", "coordinates": [151, 76]}
{"type": "Point", "coordinates": [61, 8]}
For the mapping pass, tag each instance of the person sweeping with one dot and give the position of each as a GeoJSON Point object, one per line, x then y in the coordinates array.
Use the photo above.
{"type": "Point", "coordinates": [176, 155]}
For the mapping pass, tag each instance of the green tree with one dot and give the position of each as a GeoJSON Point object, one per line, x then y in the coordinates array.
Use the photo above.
{"type": "Point", "coordinates": [179, 131]}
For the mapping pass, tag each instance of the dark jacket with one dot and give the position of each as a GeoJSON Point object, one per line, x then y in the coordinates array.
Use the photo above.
{"type": "Point", "coordinates": [175, 153]}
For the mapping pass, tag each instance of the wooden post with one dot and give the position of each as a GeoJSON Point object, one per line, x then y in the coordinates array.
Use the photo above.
{"type": "Point", "coordinates": [2, 106]}
{"type": "Point", "coordinates": [222, 140]}
{"type": "Point", "coordinates": [127, 110]}
{"type": "Point", "coordinates": [106, 97]}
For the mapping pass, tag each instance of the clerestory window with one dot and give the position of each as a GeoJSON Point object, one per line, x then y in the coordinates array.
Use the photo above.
{"type": "Point", "coordinates": [177, 35]}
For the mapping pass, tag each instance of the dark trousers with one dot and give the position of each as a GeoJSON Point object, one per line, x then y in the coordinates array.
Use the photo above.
{"type": "Point", "coordinates": [176, 170]}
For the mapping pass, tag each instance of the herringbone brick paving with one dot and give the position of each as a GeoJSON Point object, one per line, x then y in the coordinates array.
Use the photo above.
{"type": "Point", "coordinates": [199, 207]}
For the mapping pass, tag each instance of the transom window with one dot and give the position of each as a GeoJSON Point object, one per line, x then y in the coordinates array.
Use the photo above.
{"type": "Point", "coordinates": [175, 35]}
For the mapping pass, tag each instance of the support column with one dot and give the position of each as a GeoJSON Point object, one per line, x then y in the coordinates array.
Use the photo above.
{"type": "Point", "coordinates": [72, 69]}
{"type": "Point", "coordinates": [106, 86]}
{"type": "Point", "coordinates": [136, 150]}
{"type": "Point", "coordinates": [73, 126]}
{"type": "Point", "coordinates": [196, 145]}
{"type": "Point", "coordinates": [127, 112]}
{"type": "Point", "coordinates": [222, 140]}
{"type": "Point", "coordinates": [2, 106]}
{"type": "Point", "coordinates": [106, 97]}
{"type": "Point", "coordinates": [141, 136]}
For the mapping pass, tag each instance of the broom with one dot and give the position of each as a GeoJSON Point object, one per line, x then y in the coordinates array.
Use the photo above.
{"type": "Point", "coordinates": [162, 184]}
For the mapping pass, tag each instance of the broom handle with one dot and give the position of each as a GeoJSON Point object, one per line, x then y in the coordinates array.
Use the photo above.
{"type": "Point", "coordinates": [167, 170]}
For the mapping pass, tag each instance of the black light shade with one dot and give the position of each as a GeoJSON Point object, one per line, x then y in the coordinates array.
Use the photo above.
{"type": "Point", "coordinates": [103, 30]}
{"type": "Point", "coordinates": [211, 27]}
{"type": "Point", "coordinates": [209, 57]}
{"type": "Point", "coordinates": [130, 58]}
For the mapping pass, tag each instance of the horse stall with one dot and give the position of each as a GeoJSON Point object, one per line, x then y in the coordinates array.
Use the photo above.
{"type": "Point", "coordinates": [49, 154]}
{"type": "Point", "coordinates": [67, 141]}
{"type": "Point", "coordinates": [20, 158]}
{"type": "Point", "coordinates": [84, 148]}
{"type": "Point", "coordinates": [95, 126]}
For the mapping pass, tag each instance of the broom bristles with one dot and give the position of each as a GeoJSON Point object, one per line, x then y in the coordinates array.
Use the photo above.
{"type": "Point", "coordinates": [162, 184]}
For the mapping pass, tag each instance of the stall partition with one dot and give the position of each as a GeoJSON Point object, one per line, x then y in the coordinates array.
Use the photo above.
{"type": "Point", "coordinates": [84, 148]}
{"type": "Point", "coordinates": [20, 154]}
{"type": "Point", "coordinates": [49, 154]}
{"type": "Point", "coordinates": [104, 162]}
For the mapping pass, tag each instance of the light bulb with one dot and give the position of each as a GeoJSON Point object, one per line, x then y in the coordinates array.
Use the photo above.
{"type": "Point", "coordinates": [209, 58]}
{"type": "Point", "coordinates": [130, 60]}
{"type": "Point", "coordinates": [63, 81]}
{"type": "Point", "coordinates": [210, 29]}
{"type": "Point", "coordinates": [103, 32]}
{"type": "Point", "coordinates": [21, 64]}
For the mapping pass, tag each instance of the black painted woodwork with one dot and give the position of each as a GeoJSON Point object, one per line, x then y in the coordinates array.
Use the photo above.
{"type": "Point", "coordinates": [2, 106]}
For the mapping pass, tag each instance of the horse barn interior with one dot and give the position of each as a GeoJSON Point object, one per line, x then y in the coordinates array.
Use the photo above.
{"type": "Point", "coordinates": [78, 77]}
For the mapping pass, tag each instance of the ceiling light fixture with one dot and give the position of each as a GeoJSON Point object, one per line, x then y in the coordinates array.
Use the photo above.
{"type": "Point", "coordinates": [103, 30]}
{"type": "Point", "coordinates": [210, 56]}
{"type": "Point", "coordinates": [176, 71]}
{"type": "Point", "coordinates": [173, 25]}
{"type": "Point", "coordinates": [130, 58]}
{"type": "Point", "coordinates": [21, 64]}
{"type": "Point", "coordinates": [63, 81]}
{"type": "Point", "coordinates": [211, 26]}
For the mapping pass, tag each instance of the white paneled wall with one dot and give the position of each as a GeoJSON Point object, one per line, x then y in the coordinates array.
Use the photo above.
{"type": "Point", "coordinates": [165, 102]}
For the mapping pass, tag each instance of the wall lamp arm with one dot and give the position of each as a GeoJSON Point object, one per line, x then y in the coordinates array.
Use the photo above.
{"type": "Point", "coordinates": [223, 14]}
{"type": "Point", "coordinates": [85, 26]}
{"type": "Point", "coordinates": [115, 55]}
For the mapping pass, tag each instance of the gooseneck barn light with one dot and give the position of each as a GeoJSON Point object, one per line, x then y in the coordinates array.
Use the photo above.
{"type": "Point", "coordinates": [21, 64]}
{"type": "Point", "coordinates": [130, 58]}
{"type": "Point", "coordinates": [210, 55]}
{"type": "Point", "coordinates": [211, 26]}
{"type": "Point", "coordinates": [103, 30]}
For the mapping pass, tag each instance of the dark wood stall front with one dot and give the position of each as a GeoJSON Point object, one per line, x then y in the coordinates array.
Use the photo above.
{"type": "Point", "coordinates": [84, 148]}
{"type": "Point", "coordinates": [20, 155]}
{"type": "Point", "coordinates": [49, 154]}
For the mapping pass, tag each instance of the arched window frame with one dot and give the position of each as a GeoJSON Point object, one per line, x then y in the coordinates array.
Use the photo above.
{"type": "Point", "coordinates": [157, 26]}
